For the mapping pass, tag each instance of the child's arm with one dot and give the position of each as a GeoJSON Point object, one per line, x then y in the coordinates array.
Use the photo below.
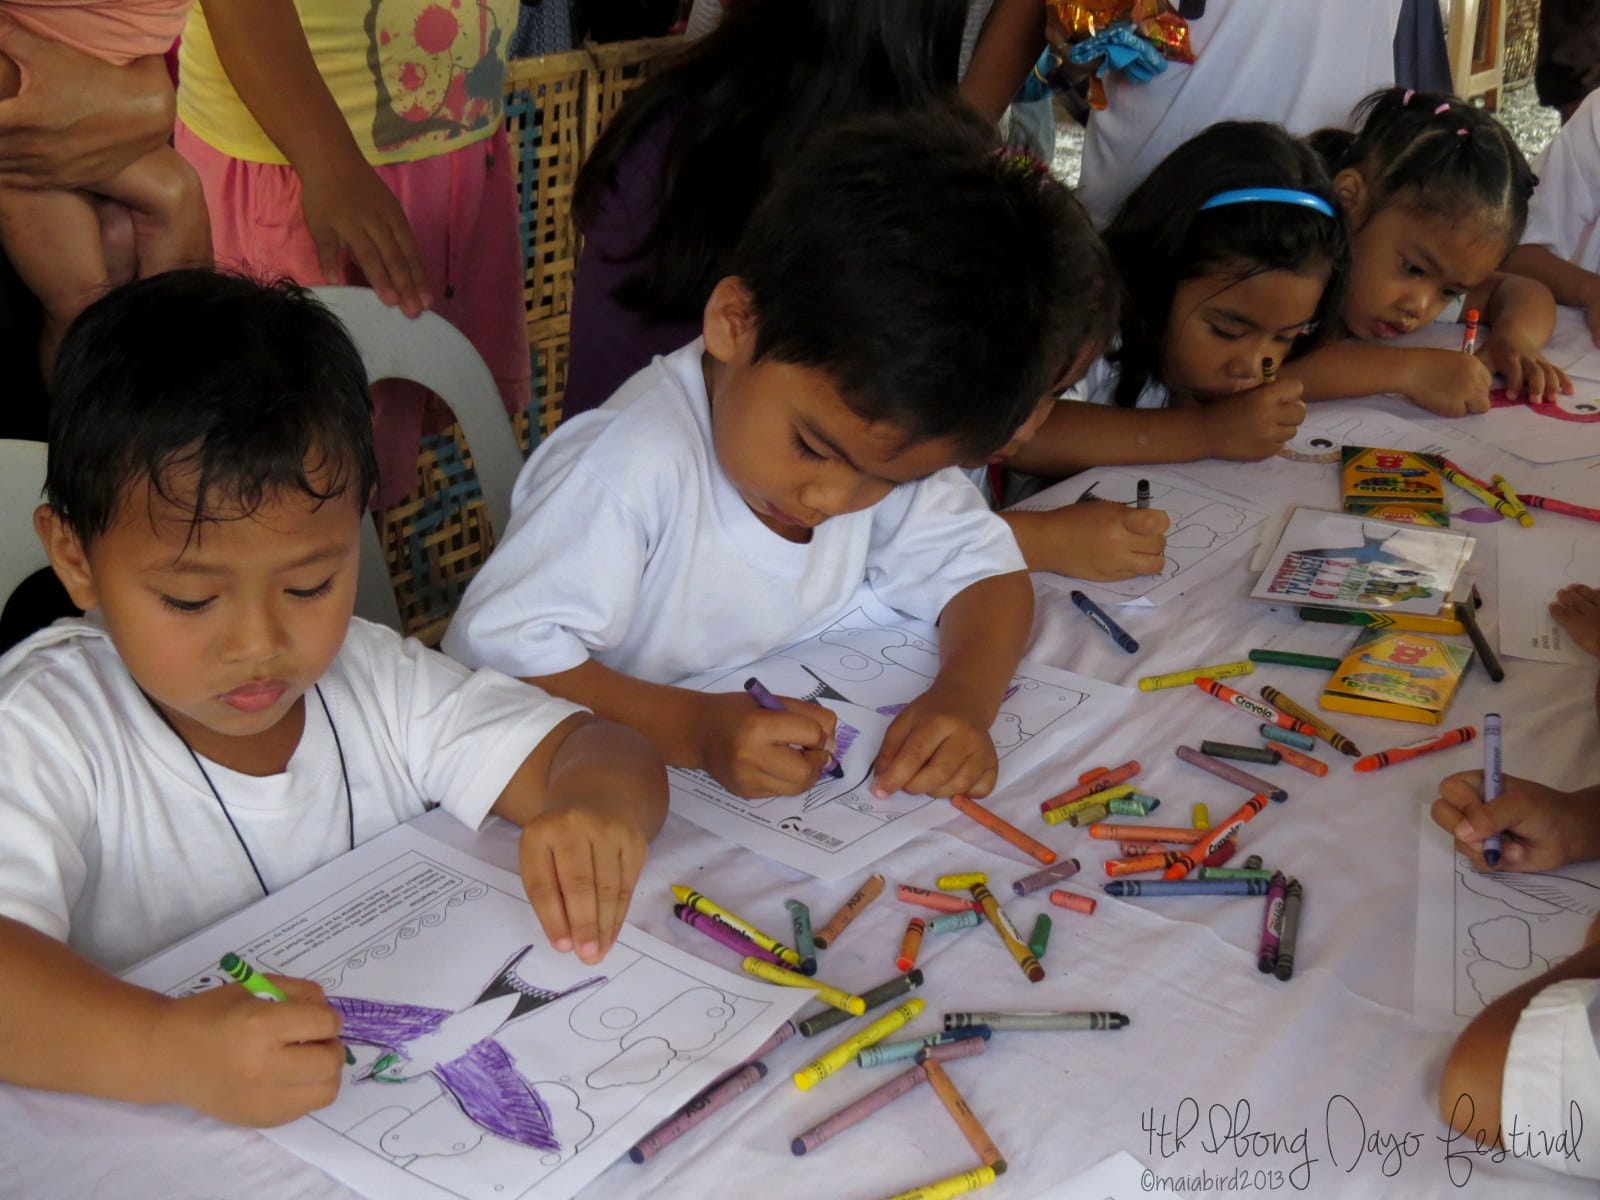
{"type": "Point", "coordinates": [1567, 281]}
{"type": "Point", "coordinates": [939, 744]}
{"type": "Point", "coordinates": [72, 1027]}
{"type": "Point", "coordinates": [589, 799]}
{"type": "Point", "coordinates": [1446, 382]}
{"type": "Point", "coordinates": [1521, 315]}
{"type": "Point", "coordinates": [744, 747]}
{"type": "Point", "coordinates": [1012, 38]}
{"type": "Point", "coordinates": [1544, 828]}
{"type": "Point", "coordinates": [1093, 539]}
{"type": "Point", "coordinates": [348, 208]}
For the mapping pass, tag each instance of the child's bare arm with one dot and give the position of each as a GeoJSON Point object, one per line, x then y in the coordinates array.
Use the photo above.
{"type": "Point", "coordinates": [1446, 382]}
{"type": "Point", "coordinates": [939, 744]}
{"type": "Point", "coordinates": [1567, 281]}
{"type": "Point", "coordinates": [72, 1027]}
{"type": "Point", "coordinates": [589, 799]}
{"type": "Point", "coordinates": [1093, 539]}
{"type": "Point", "coordinates": [1521, 316]}
{"type": "Point", "coordinates": [171, 228]}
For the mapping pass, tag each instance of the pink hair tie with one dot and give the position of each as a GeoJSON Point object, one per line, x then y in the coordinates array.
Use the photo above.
{"type": "Point", "coordinates": [1443, 108]}
{"type": "Point", "coordinates": [1406, 99]}
{"type": "Point", "coordinates": [1461, 133]}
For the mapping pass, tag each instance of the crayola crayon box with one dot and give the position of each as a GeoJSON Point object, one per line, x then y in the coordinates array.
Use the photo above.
{"type": "Point", "coordinates": [1401, 676]}
{"type": "Point", "coordinates": [1394, 485]}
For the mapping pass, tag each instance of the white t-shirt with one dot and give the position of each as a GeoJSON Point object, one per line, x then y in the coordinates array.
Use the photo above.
{"type": "Point", "coordinates": [1300, 63]}
{"type": "Point", "coordinates": [1552, 1066]}
{"type": "Point", "coordinates": [111, 841]}
{"type": "Point", "coordinates": [629, 544]}
{"type": "Point", "coordinates": [1564, 215]}
{"type": "Point", "coordinates": [1099, 386]}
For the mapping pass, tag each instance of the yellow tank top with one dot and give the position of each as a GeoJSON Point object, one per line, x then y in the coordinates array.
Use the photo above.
{"type": "Point", "coordinates": [414, 78]}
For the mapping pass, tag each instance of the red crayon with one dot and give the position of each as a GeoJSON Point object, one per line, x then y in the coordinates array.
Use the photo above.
{"type": "Point", "coordinates": [1400, 754]}
{"type": "Point", "coordinates": [1256, 708]}
{"type": "Point", "coordinates": [1099, 783]}
{"type": "Point", "coordinates": [1560, 506]}
{"type": "Point", "coordinates": [1219, 856]}
{"type": "Point", "coordinates": [1193, 857]}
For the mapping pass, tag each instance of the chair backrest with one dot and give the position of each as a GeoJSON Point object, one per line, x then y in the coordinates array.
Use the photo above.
{"type": "Point", "coordinates": [21, 481]}
{"type": "Point", "coordinates": [430, 351]}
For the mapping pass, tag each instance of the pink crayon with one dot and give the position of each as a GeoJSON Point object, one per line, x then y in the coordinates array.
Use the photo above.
{"type": "Point", "coordinates": [1099, 783]}
{"type": "Point", "coordinates": [696, 1110]}
{"type": "Point", "coordinates": [1222, 770]}
{"type": "Point", "coordinates": [938, 901]}
{"type": "Point", "coordinates": [726, 934]}
{"type": "Point", "coordinates": [853, 1114]}
{"type": "Point", "coordinates": [945, 1051]}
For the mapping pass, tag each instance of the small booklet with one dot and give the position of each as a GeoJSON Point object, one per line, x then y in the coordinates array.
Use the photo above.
{"type": "Point", "coordinates": [1345, 560]}
{"type": "Point", "coordinates": [1401, 676]}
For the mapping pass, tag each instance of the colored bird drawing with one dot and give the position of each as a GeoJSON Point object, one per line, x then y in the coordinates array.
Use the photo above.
{"type": "Point", "coordinates": [460, 1051]}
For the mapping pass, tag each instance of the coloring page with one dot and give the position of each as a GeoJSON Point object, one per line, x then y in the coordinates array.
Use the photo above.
{"type": "Point", "coordinates": [487, 1066]}
{"type": "Point", "coordinates": [866, 667]}
{"type": "Point", "coordinates": [1489, 932]}
{"type": "Point", "coordinates": [1210, 532]}
{"type": "Point", "coordinates": [1535, 564]}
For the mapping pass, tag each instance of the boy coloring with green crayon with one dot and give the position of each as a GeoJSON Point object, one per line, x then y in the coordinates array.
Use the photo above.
{"type": "Point", "coordinates": [220, 724]}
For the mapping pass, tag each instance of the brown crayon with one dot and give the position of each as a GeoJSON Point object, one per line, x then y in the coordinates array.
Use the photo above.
{"type": "Point", "coordinates": [1002, 926]}
{"type": "Point", "coordinates": [966, 1120]}
{"type": "Point", "coordinates": [859, 899]}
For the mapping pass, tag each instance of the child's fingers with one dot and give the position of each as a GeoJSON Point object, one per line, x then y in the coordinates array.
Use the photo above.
{"type": "Point", "coordinates": [540, 881]}
{"type": "Point", "coordinates": [1148, 522]}
{"type": "Point", "coordinates": [1458, 794]}
{"type": "Point", "coordinates": [1514, 374]}
{"type": "Point", "coordinates": [307, 1020]}
{"type": "Point", "coordinates": [945, 771]}
{"type": "Point", "coordinates": [576, 878]}
{"type": "Point", "coordinates": [1146, 562]}
{"type": "Point", "coordinates": [330, 257]}
{"type": "Point", "coordinates": [986, 782]}
{"type": "Point", "coordinates": [400, 260]}
{"type": "Point", "coordinates": [808, 725]}
{"type": "Point", "coordinates": [1559, 380]}
{"type": "Point", "coordinates": [612, 893]}
{"type": "Point", "coordinates": [630, 861]}
{"type": "Point", "coordinates": [311, 1064]}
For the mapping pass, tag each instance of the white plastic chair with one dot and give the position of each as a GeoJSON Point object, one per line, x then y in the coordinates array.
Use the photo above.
{"type": "Point", "coordinates": [430, 351]}
{"type": "Point", "coordinates": [21, 480]}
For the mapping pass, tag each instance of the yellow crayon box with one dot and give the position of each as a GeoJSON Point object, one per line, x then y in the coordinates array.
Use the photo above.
{"type": "Point", "coordinates": [1399, 675]}
{"type": "Point", "coordinates": [1393, 485]}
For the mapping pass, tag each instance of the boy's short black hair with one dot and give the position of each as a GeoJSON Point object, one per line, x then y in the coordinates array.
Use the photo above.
{"type": "Point", "coordinates": [941, 284]}
{"type": "Point", "coordinates": [245, 389]}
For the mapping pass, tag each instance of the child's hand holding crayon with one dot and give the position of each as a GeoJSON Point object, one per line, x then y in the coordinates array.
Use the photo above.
{"type": "Point", "coordinates": [1445, 382]}
{"type": "Point", "coordinates": [1255, 424]}
{"type": "Point", "coordinates": [1092, 539]}
{"type": "Point", "coordinates": [939, 745]}
{"type": "Point", "coordinates": [1543, 828]}
{"type": "Point", "coordinates": [753, 751]}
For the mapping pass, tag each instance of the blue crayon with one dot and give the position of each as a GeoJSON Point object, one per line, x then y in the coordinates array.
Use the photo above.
{"type": "Point", "coordinates": [1494, 782]}
{"type": "Point", "coordinates": [1288, 737]}
{"type": "Point", "coordinates": [1186, 887]}
{"type": "Point", "coordinates": [953, 922]}
{"type": "Point", "coordinates": [889, 1052]}
{"type": "Point", "coordinates": [800, 917]}
{"type": "Point", "coordinates": [1093, 611]}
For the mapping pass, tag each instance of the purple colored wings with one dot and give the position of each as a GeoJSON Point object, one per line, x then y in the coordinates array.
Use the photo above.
{"type": "Point", "coordinates": [383, 1023]}
{"type": "Point", "coordinates": [492, 1092]}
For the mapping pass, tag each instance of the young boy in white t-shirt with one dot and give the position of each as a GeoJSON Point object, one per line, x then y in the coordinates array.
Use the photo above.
{"type": "Point", "coordinates": [898, 305]}
{"type": "Point", "coordinates": [219, 724]}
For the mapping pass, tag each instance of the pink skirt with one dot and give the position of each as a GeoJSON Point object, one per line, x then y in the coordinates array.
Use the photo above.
{"type": "Point", "coordinates": [462, 207]}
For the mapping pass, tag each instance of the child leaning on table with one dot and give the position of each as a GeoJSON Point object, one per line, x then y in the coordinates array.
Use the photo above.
{"type": "Point", "coordinates": [1526, 1061]}
{"type": "Point", "coordinates": [220, 724]}
{"type": "Point", "coordinates": [897, 306]}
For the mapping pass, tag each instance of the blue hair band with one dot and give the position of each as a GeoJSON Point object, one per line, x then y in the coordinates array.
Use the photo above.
{"type": "Point", "coordinates": [1270, 195]}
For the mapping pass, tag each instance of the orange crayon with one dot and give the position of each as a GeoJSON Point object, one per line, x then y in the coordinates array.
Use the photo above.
{"type": "Point", "coordinates": [910, 944]}
{"type": "Point", "coordinates": [1145, 833]}
{"type": "Point", "coordinates": [1093, 773]}
{"type": "Point", "coordinates": [1088, 787]}
{"type": "Point", "coordinates": [1249, 704]}
{"type": "Point", "coordinates": [1004, 829]}
{"type": "Point", "coordinates": [966, 1120]}
{"type": "Point", "coordinates": [1135, 849]}
{"type": "Point", "coordinates": [1197, 854]}
{"type": "Point", "coordinates": [1299, 758]}
{"type": "Point", "coordinates": [1140, 863]}
{"type": "Point", "coordinates": [1400, 754]}
{"type": "Point", "coordinates": [1073, 902]}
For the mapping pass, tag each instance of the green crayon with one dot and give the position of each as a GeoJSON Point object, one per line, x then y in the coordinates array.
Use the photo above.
{"type": "Point", "coordinates": [1039, 939]}
{"type": "Point", "coordinates": [1233, 873]}
{"type": "Point", "coordinates": [257, 984]}
{"type": "Point", "coordinates": [1287, 658]}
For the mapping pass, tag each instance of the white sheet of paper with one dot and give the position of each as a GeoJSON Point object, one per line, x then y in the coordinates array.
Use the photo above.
{"type": "Point", "coordinates": [420, 931]}
{"type": "Point", "coordinates": [1210, 531]}
{"type": "Point", "coordinates": [1120, 1177]}
{"type": "Point", "coordinates": [1480, 934]}
{"type": "Point", "coordinates": [1534, 565]}
{"type": "Point", "coordinates": [866, 667]}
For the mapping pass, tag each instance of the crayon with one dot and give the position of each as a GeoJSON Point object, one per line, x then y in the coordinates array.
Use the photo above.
{"type": "Point", "coordinates": [1093, 773]}
{"type": "Point", "coordinates": [1233, 873]}
{"type": "Point", "coordinates": [250, 979]}
{"type": "Point", "coordinates": [698, 1108]}
{"type": "Point", "coordinates": [804, 943]}
{"type": "Point", "coordinates": [1503, 486]}
{"type": "Point", "coordinates": [1138, 805]}
{"type": "Point", "coordinates": [1008, 935]}
{"type": "Point", "coordinates": [938, 901]}
{"type": "Point", "coordinates": [1304, 762]}
{"type": "Point", "coordinates": [1146, 833]}
{"type": "Point", "coordinates": [833, 768]}
{"type": "Point", "coordinates": [1135, 849]}
{"type": "Point", "coordinates": [872, 998]}
{"type": "Point", "coordinates": [1253, 862]}
{"type": "Point", "coordinates": [1039, 939]}
{"type": "Point", "coordinates": [1413, 672]}
{"type": "Point", "coordinates": [1486, 654]}
{"type": "Point", "coordinates": [1250, 705]}
{"type": "Point", "coordinates": [1493, 781]}
{"type": "Point", "coordinates": [1254, 754]}
{"type": "Point", "coordinates": [853, 1114]}
{"type": "Point", "coordinates": [1142, 494]}
{"type": "Point", "coordinates": [1469, 335]}
{"type": "Point", "coordinates": [1088, 816]}
{"type": "Point", "coordinates": [1269, 370]}
{"type": "Point", "coordinates": [1199, 854]}
{"type": "Point", "coordinates": [1250, 783]}
{"type": "Point", "coordinates": [1287, 737]}
{"type": "Point", "coordinates": [1115, 632]}
{"type": "Point", "coordinates": [945, 1051]}
{"type": "Point", "coordinates": [1100, 783]}
{"type": "Point", "coordinates": [1400, 754]}
{"type": "Point", "coordinates": [859, 899]}
{"type": "Point", "coordinates": [947, 1189]}
{"type": "Point", "coordinates": [1408, 622]}
{"type": "Point", "coordinates": [784, 1032]}
{"type": "Point", "coordinates": [1065, 812]}
{"type": "Point", "coordinates": [1286, 658]}
{"type": "Point", "coordinates": [1482, 494]}
{"type": "Point", "coordinates": [1222, 854]}
{"type": "Point", "coordinates": [704, 904]}
{"type": "Point", "coordinates": [854, 1005]}
{"type": "Point", "coordinates": [1200, 817]}
{"type": "Point", "coordinates": [840, 1056]}
{"type": "Point", "coordinates": [726, 934]}
{"type": "Point", "coordinates": [910, 944]}
{"type": "Point", "coordinates": [1323, 730]}
{"type": "Point", "coordinates": [1463, 472]}
{"type": "Point", "coordinates": [1155, 683]}
{"type": "Point", "coordinates": [966, 1120]}
{"type": "Point", "coordinates": [1002, 828]}
{"type": "Point", "coordinates": [1284, 967]}
{"type": "Point", "coordinates": [1073, 902]}
{"type": "Point", "coordinates": [1550, 504]}
{"type": "Point", "coordinates": [1024, 1022]}
{"type": "Point", "coordinates": [891, 1052]}
{"type": "Point", "coordinates": [1065, 869]}
{"type": "Point", "coordinates": [958, 883]}
{"type": "Point", "coordinates": [953, 922]}
{"type": "Point", "coordinates": [1139, 863]}
{"type": "Point", "coordinates": [1185, 887]}
{"type": "Point", "coordinates": [1271, 924]}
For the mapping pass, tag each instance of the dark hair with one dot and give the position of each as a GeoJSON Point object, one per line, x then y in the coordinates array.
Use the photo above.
{"type": "Point", "coordinates": [252, 387]}
{"type": "Point", "coordinates": [744, 99]}
{"type": "Point", "coordinates": [1161, 237]}
{"type": "Point", "coordinates": [1437, 155]}
{"type": "Point", "coordinates": [942, 286]}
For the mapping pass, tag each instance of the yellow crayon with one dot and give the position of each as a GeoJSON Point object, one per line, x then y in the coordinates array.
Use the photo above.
{"type": "Point", "coordinates": [959, 883]}
{"type": "Point", "coordinates": [1498, 503]}
{"type": "Point", "coordinates": [956, 1185]}
{"type": "Point", "coordinates": [844, 1053]}
{"type": "Point", "coordinates": [1503, 486]}
{"type": "Point", "coordinates": [1155, 683]}
{"type": "Point", "coordinates": [710, 908]}
{"type": "Point", "coordinates": [1202, 817]}
{"type": "Point", "coordinates": [844, 1001]}
{"type": "Point", "coordinates": [1066, 812]}
{"type": "Point", "coordinates": [1008, 934]}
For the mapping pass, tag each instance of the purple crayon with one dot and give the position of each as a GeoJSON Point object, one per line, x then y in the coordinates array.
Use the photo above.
{"type": "Point", "coordinates": [759, 693]}
{"type": "Point", "coordinates": [1272, 924]}
{"type": "Point", "coordinates": [1065, 869]}
{"type": "Point", "coordinates": [945, 1051]}
{"type": "Point", "coordinates": [696, 1110]}
{"type": "Point", "coordinates": [1222, 770]}
{"type": "Point", "coordinates": [726, 934]}
{"type": "Point", "coordinates": [853, 1114]}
